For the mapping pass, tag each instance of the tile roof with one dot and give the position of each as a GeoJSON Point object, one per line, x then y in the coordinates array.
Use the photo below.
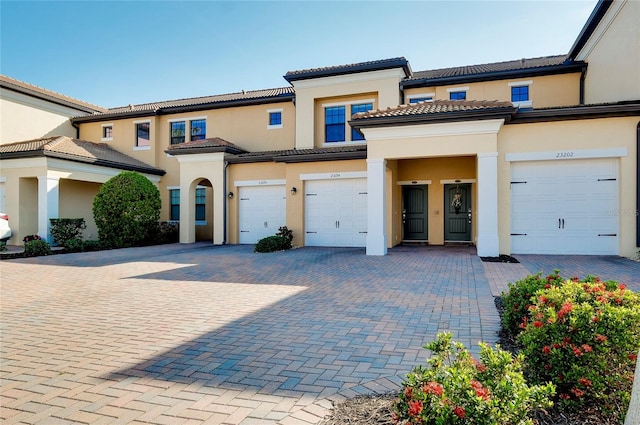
{"type": "Point", "coordinates": [76, 150]}
{"type": "Point", "coordinates": [518, 64]}
{"type": "Point", "coordinates": [220, 100]}
{"type": "Point", "coordinates": [51, 96]}
{"type": "Point", "coordinates": [300, 155]}
{"type": "Point", "coordinates": [214, 144]}
{"type": "Point", "coordinates": [437, 108]}
{"type": "Point", "coordinates": [399, 62]}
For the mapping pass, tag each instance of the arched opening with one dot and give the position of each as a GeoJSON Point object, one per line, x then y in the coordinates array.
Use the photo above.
{"type": "Point", "coordinates": [201, 200]}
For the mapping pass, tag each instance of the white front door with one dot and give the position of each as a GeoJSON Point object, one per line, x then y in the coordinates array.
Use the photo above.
{"type": "Point", "coordinates": [336, 212]}
{"type": "Point", "coordinates": [564, 207]}
{"type": "Point", "coordinates": [262, 212]}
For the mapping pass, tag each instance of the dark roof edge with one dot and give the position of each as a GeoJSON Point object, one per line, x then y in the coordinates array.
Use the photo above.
{"type": "Point", "coordinates": [506, 114]}
{"type": "Point", "coordinates": [594, 19]}
{"type": "Point", "coordinates": [74, 158]}
{"type": "Point", "coordinates": [206, 149]}
{"type": "Point", "coordinates": [565, 68]}
{"type": "Point", "coordinates": [49, 98]}
{"type": "Point", "coordinates": [187, 108]}
{"type": "Point", "coordinates": [621, 109]}
{"type": "Point", "coordinates": [364, 67]}
{"type": "Point", "coordinates": [322, 156]}
{"type": "Point", "coordinates": [249, 159]}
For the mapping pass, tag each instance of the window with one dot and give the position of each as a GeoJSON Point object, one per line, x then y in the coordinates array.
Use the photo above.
{"type": "Point", "coordinates": [107, 132]}
{"type": "Point", "coordinates": [458, 95]}
{"type": "Point", "coordinates": [143, 137]}
{"type": "Point", "coordinates": [198, 129]}
{"type": "Point", "coordinates": [363, 107]}
{"type": "Point", "coordinates": [201, 202]}
{"type": "Point", "coordinates": [519, 93]}
{"type": "Point", "coordinates": [275, 118]}
{"type": "Point", "coordinates": [177, 132]}
{"type": "Point", "coordinates": [420, 99]}
{"type": "Point", "coordinates": [334, 121]}
{"type": "Point", "coordinates": [174, 201]}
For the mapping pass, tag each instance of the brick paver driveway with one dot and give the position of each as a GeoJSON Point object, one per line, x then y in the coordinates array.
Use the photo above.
{"type": "Point", "coordinates": [204, 334]}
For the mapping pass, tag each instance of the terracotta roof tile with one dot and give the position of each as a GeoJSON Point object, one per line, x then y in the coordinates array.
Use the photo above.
{"type": "Point", "coordinates": [30, 89]}
{"type": "Point", "coordinates": [214, 142]}
{"type": "Point", "coordinates": [436, 107]}
{"type": "Point", "coordinates": [76, 150]}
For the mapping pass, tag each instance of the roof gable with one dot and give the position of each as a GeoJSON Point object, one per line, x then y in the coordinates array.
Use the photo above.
{"type": "Point", "coordinates": [330, 71]}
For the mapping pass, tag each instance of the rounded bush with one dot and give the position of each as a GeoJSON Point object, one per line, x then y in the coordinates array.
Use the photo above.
{"type": "Point", "coordinates": [126, 210]}
{"type": "Point", "coordinates": [74, 245]}
{"type": "Point", "coordinates": [273, 243]}
{"type": "Point", "coordinates": [65, 229]}
{"type": "Point", "coordinates": [36, 247]}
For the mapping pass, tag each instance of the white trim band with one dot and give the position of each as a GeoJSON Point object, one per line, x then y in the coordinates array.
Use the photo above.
{"type": "Point", "coordinates": [336, 175]}
{"type": "Point", "coordinates": [276, 182]}
{"type": "Point", "coordinates": [566, 154]}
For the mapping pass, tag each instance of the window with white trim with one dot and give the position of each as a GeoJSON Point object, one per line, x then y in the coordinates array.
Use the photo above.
{"type": "Point", "coordinates": [143, 134]}
{"type": "Point", "coordinates": [424, 97]}
{"type": "Point", "coordinates": [361, 107]}
{"type": "Point", "coordinates": [195, 126]}
{"type": "Point", "coordinates": [275, 119]}
{"type": "Point", "coordinates": [520, 93]}
{"type": "Point", "coordinates": [458, 93]}
{"type": "Point", "coordinates": [200, 206]}
{"type": "Point", "coordinates": [198, 129]}
{"type": "Point", "coordinates": [107, 132]}
{"type": "Point", "coordinates": [174, 202]}
{"type": "Point", "coordinates": [335, 120]}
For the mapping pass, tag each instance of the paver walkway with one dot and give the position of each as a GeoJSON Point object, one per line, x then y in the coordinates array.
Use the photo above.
{"type": "Point", "coordinates": [203, 334]}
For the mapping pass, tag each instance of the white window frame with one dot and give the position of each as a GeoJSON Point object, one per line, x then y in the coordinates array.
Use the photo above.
{"type": "Point", "coordinates": [419, 95]}
{"type": "Point", "coordinates": [269, 112]}
{"type": "Point", "coordinates": [525, 103]}
{"type": "Point", "coordinates": [107, 139]}
{"type": "Point", "coordinates": [197, 222]}
{"type": "Point", "coordinates": [135, 146]}
{"type": "Point", "coordinates": [459, 89]}
{"type": "Point", "coordinates": [347, 128]}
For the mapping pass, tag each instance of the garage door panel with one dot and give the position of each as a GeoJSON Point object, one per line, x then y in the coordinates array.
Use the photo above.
{"type": "Point", "coordinates": [262, 210]}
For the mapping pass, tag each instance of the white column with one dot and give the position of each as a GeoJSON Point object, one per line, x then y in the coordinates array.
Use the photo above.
{"type": "Point", "coordinates": [376, 207]}
{"type": "Point", "coordinates": [187, 213]}
{"type": "Point", "coordinates": [487, 215]}
{"type": "Point", "coordinates": [48, 204]}
{"type": "Point", "coordinates": [219, 199]}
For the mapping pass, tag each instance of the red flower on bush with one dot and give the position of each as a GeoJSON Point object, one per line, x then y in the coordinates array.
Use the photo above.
{"type": "Point", "coordinates": [587, 348]}
{"type": "Point", "coordinates": [433, 387]}
{"type": "Point", "coordinates": [622, 286]}
{"type": "Point", "coordinates": [408, 392]}
{"type": "Point", "coordinates": [546, 349]}
{"type": "Point", "coordinates": [459, 412]}
{"type": "Point", "coordinates": [585, 382]}
{"type": "Point", "coordinates": [578, 352]}
{"type": "Point", "coordinates": [633, 357]}
{"type": "Point", "coordinates": [415, 407]}
{"type": "Point", "coordinates": [577, 392]}
{"type": "Point", "coordinates": [538, 324]}
{"type": "Point", "coordinates": [566, 308]}
{"type": "Point", "coordinates": [601, 338]}
{"type": "Point", "coordinates": [481, 391]}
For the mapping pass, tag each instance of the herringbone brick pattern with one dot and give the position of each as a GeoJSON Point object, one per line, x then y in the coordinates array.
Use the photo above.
{"type": "Point", "coordinates": [203, 334]}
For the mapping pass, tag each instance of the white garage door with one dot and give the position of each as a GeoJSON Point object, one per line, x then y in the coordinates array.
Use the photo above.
{"type": "Point", "coordinates": [336, 212]}
{"type": "Point", "coordinates": [262, 212]}
{"type": "Point", "coordinates": [564, 207]}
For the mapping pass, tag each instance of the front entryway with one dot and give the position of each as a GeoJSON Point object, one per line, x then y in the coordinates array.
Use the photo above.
{"type": "Point", "coordinates": [414, 213]}
{"type": "Point", "coordinates": [457, 217]}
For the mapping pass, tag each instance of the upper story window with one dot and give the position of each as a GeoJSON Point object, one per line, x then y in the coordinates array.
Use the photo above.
{"type": "Point", "coordinates": [362, 107]}
{"type": "Point", "coordinates": [143, 134]}
{"type": "Point", "coordinates": [420, 99]}
{"type": "Point", "coordinates": [107, 132]}
{"type": "Point", "coordinates": [275, 118]}
{"type": "Point", "coordinates": [458, 95]}
{"type": "Point", "coordinates": [198, 129]}
{"type": "Point", "coordinates": [520, 93]}
{"type": "Point", "coordinates": [177, 132]}
{"type": "Point", "coordinates": [334, 123]}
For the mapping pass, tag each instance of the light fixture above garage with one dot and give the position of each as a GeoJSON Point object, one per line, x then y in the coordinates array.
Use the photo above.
{"type": "Point", "coordinates": [230, 195]}
{"type": "Point", "coordinates": [294, 190]}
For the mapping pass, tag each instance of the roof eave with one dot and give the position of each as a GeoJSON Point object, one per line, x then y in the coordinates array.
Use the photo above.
{"type": "Point", "coordinates": [594, 19]}
{"type": "Point", "coordinates": [400, 63]}
{"type": "Point", "coordinates": [623, 109]}
{"type": "Point", "coordinates": [328, 156]}
{"type": "Point", "coordinates": [206, 149]}
{"type": "Point", "coordinates": [443, 117]}
{"type": "Point", "coordinates": [52, 99]}
{"type": "Point", "coordinates": [565, 68]}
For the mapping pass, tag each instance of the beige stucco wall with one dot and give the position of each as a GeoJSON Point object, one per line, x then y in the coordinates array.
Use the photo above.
{"type": "Point", "coordinates": [545, 91]}
{"type": "Point", "coordinates": [579, 135]}
{"type": "Point", "coordinates": [347, 101]}
{"type": "Point", "coordinates": [613, 56]}
{"type": "Point", "coordinates": [24, 118]}
{"type": "Point", "coordinates": [383, 83]}
{"type": "Point", "coordinates": [76, 201]}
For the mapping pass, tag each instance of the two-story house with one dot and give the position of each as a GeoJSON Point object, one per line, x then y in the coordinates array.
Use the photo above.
{"type": "Point", "coordinates": [534, 155]}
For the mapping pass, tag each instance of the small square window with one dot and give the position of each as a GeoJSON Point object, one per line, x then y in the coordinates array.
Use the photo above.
{"type": "Point", "coordinates": [275, 118]}
{"type": "Point", "coordinates": [458, 95]}
{"type": "Point", "coordinates": [177, 132]}
{"type": "Point", "coordinates": [107, 132]}
{"type": "Point", "coordinates": [198, 129]}
{"type": "Point", "coordinates": [519, 93]}
{"type": "Point", "coordinates": [143, 137]}
{"type": "Point", "coordinates": [421, 99]}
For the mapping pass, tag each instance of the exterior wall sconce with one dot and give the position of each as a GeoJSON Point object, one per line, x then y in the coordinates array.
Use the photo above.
{"type": "Point", "coordinates": [230, 195]}
{"type": "Point", "coordinates": [294, 190]}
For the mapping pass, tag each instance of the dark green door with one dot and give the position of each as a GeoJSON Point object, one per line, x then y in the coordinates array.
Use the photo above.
{"type": "Point", "coordinates": [457, 207]}
{"type": "Point", "coordinates": [414, 212]}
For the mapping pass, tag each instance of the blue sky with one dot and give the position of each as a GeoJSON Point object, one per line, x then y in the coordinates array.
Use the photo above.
{"type": "Point", "coordinates": [113, 53]}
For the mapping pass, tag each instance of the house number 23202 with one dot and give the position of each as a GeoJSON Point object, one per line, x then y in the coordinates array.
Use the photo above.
{"type": "Point", "coordinates": [564, 154]}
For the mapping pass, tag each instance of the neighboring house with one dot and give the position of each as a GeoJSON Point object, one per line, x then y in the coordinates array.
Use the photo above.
{"type": "Point", "coordinates": [526, 156]}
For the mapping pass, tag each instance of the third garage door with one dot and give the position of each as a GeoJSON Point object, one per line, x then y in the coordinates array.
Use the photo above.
{"type": "Point", "coordinates": [336, 212]}
{"type": "Point", "coordinates": [564, 207]}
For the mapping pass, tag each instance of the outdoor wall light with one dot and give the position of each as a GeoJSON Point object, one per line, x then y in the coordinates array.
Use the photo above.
{"type": "Point", "coordinates": [230, 195]}
{"type": "Point", "coordinates": [293, 190]}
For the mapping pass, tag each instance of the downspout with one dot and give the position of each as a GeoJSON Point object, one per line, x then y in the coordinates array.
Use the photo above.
{"type": "Point", "coordinates": [583, 74]}
{"type": "Point", "coordinates": [401, 95]}
{"type": "Point", "coordinates": [226, 203]}
{"type": "Point", "coordinates": [638, 186]}
{"type": "Point", "coordinates": [77, 127]}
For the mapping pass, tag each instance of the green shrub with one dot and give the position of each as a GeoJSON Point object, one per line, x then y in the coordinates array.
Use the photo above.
{"type": "Point", "coordinates": [167, 232]}
{"type": "Point", "coordinates": [457, 389]}
{"type": "Point", "coordinates": [3, 246]}
{"type": "Point", "coordinates": [92, 245]}
{"type": "Point", "coordinates": [126, 210]}
{"type": "Point", "coordinates": [64, 229]}
{"type": "Point", "coordinates": [273, 243]}
{"type": "Point", "coordinates": [36, 247]}
{"type": "Point", "coordinates": [74, 245]}
{"type": "Point", "coordinates": [517, 300]}
{"type": "Point", "coordinates": [30, 238]}
{"type": "Point", "coordinates": [285, 233]}
{"type": "Point", "coordinates": [584, 336]}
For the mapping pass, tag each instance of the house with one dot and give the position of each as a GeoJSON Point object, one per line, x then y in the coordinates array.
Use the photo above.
{"type": "Point", "coordinates": [534, 155]}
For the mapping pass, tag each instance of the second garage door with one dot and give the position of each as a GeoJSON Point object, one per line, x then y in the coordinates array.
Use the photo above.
{"type": "Point", "coordinates": [564, 207]}
{"type": "Point", "coordinates": [336, 212]}
{"type": "Point", "coordinates": [262, 212]}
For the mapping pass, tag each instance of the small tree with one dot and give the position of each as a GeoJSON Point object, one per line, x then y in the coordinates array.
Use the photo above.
{"type": "Point", "coordinates": [126, 210]}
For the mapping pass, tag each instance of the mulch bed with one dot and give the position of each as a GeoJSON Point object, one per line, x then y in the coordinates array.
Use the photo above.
{"type": "Point", "coordinates": [500, 259]}
{"type": "Point", "coordinates": [378, 409]}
